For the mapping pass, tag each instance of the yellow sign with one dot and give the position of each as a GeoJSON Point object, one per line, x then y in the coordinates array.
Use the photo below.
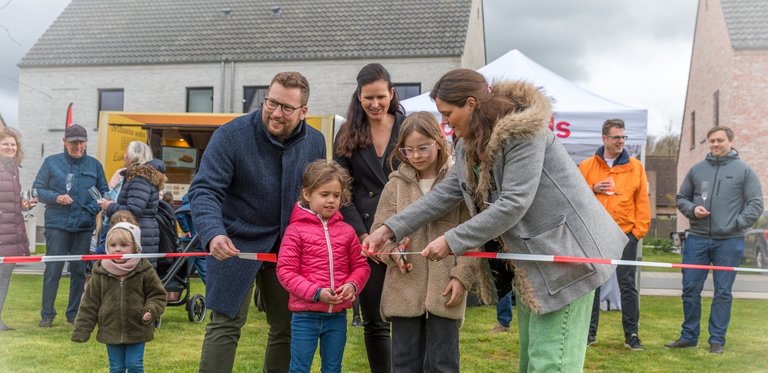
{"type": "Point", "coordinates": [118, 138]}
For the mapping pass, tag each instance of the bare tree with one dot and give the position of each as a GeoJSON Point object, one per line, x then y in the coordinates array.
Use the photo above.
{"type": "Point", "coordinates": [666, 144]}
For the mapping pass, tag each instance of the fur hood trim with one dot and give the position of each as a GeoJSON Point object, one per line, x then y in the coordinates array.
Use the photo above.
{"type": "Point", "coordinates": [148, 172]}
{"type": "Point", "coordinates": [531, 117]}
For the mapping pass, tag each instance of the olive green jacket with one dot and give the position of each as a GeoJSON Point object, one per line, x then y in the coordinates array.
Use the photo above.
{"type": "Point", "coordinates": [118, 306]}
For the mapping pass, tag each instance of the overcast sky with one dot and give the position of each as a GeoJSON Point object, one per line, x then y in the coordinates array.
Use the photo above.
{"type": "Point", "coordinates": [633, 52]}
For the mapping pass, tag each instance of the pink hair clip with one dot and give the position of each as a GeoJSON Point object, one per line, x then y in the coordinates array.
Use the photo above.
{"type": "Point", "coordinates": [490, 89]}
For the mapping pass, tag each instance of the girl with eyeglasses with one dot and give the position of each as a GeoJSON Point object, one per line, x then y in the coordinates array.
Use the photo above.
{"type": "Point", "coordinates": [424, 300]}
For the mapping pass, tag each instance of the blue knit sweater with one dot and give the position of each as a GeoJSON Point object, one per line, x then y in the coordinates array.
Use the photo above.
{"type": "Point", "coordinates": [246, 187]}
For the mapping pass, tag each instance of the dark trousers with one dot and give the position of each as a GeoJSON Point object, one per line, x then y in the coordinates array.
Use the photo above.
{"type": "Point", "coordinates": [377, 341]}
{"type": "Point", "coordinates": [503, 275]}
{"type": "Point", "coordinates": [5, 282]}
{"type": "Point", "coordinates": [425, 344]}
{"type": "Point", "coordinates": [59, 242]}
{"type": "Point", "coordinates": [222, 333]}
{"type": "Point", "coordinates": [630, 306]}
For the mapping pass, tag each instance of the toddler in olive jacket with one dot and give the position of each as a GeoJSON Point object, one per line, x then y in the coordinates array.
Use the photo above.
{"type": "Point", "coordinates": [124, 298]}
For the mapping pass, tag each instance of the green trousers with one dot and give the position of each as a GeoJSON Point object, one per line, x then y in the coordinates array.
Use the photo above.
{"type": "Point", "coordinates": [222, 333]}
{"type": "Point", "coordinates": [557, 341]}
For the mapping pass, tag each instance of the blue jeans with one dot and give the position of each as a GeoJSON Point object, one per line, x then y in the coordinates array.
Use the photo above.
{"type": "Point", "coordinates": [702, 250]}
{"type": "Point", "coordinates": [200, 266]}
{"type": "Point", "coordinates": [306, 328]}
{"type": "Point", "coordinates": [504, 310]}
{"type": "Point", "coordinates": [126, 356]}
{"type": "Point", "coordinates": [59, 242]}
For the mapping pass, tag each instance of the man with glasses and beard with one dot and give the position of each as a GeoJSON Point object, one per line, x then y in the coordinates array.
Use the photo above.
{"type": "Point", "coordinates": [248, 183]}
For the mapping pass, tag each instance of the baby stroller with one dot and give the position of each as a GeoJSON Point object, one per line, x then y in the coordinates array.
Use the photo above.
{"type": "Point", "coordinates": [175, 272]}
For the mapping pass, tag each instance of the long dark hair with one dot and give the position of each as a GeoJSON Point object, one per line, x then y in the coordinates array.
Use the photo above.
{"type": "Point", "coordinates": [356, 131]}
{"type": "Point", "coordinates": [455, 88]}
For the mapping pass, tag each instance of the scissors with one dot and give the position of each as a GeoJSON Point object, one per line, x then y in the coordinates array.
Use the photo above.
{"type": "Point", "coordinates": [402, 246]}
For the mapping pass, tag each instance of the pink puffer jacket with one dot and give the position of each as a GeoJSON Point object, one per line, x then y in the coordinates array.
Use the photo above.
{"type": "Point", "coordinates": [318, 254]}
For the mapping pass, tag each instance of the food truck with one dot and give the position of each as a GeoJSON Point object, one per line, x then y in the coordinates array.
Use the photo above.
{"type": "Point", "coordinates": [178, 139]}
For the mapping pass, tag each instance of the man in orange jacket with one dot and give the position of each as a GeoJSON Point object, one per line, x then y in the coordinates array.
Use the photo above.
{"type": "Point", "coordinates": [620, 184]}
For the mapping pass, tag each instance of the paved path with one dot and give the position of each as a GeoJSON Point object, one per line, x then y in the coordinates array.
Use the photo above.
{"type": "Point", "coordinates": [747, 286]}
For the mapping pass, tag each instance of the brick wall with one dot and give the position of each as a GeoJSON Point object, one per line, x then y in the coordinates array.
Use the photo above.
{"type": "Point", "coordinates": [741, 78]}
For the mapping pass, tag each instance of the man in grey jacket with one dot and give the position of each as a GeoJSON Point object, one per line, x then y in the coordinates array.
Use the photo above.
{"type": "Point", "coordinates": [721, 197]}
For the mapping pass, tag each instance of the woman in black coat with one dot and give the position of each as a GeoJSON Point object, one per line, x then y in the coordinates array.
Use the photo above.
{"type": "Point", "coordinates": [362, 146]}
{"type": "Point", "coordinates": [13, 234]}
{"type": "Point", "coordinates": [140, 195]}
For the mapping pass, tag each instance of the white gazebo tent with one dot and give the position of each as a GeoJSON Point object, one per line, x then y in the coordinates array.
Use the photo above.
{"type": "Point", "coordinates": [578, 113]}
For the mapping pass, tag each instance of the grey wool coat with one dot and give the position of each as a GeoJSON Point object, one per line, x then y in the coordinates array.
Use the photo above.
{"type": "Point", "coordinates": [533, 198]}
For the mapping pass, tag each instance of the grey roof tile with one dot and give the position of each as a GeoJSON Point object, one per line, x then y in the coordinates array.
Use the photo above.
{"type": "Point", "coordinates": [116, 32]}
{"type": "Point", "coordinates": [747, 22]}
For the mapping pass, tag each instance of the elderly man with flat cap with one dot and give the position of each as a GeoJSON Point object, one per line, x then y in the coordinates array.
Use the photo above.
{"type": "Point", "coordinates": [70, 216]}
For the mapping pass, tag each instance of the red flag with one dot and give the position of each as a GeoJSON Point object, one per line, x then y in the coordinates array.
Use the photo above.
{"type": "Point", "coordinates": [69, 116]}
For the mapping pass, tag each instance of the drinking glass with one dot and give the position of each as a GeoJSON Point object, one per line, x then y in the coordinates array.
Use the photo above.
{"type": "Point", "coordinates": [612, 189]}
{"type": "Point", "coordinates": [95, 194]}
{"type": "Point", "coordinates": [31, 196]}
{"type": "Point", "coordinates": [25, 197]}
{"type": "Point", "coordinates": [704, 191]}
{"type": "Point", "coordinates": [70, 179]}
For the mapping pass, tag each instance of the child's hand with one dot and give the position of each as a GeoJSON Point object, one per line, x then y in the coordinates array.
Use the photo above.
{"type": "Point", "coordinates": [147, 316]}
{"type": "Point", "coordinates": [456, 291]}
{"type": "Point", "coordinates": [329, 296]}
{"type": "Point", "coordinates": [346, 292]}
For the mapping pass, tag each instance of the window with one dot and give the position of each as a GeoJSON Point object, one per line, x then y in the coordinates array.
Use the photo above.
{"type": "Point", "coordinates": [693, 129]}
{"type": "Point", "coordinates": [407, 90]}
{"type": "Point", "coordinates": [110, 100]}
{"type": "Point", "coordinates": [717, 108]}
{"type": "Point", "coordinates": [253, 97]}
{"type": "Point", "coordinates": [200, 100]}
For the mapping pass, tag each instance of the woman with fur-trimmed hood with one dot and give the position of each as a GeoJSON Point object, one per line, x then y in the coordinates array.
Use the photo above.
{"type": "Point", "coordinates": [140, 195]}
{"type": "Point", "coordinates": [521, 188]}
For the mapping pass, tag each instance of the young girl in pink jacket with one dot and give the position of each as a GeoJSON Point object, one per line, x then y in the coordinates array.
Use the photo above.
{"type": "Point", "coordinates": [320, 265]}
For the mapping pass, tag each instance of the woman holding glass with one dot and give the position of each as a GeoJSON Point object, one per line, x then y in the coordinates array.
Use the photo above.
{"type": "Point", "coordinates": [13, 235]}
{"type": "Point", "coordinates": [363, 144]}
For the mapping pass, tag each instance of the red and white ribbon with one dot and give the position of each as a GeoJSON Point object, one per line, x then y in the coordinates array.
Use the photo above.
{"type": "Point", "coordinates": [575, 259]}
{"type": "Point", "coordinates": [268, 257]}
{"type": "Point", "coordinates": [271, 257]}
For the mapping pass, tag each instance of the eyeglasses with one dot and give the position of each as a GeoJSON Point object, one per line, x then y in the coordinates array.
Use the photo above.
{"type": "Point", "coordinates": [285, 108]}
{"type": "Point", "coordinates": [617, 137]}
{"type": "Point", "coordinates": [421, 150]}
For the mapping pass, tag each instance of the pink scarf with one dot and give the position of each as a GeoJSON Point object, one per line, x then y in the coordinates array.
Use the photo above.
{"type": "Point", "coordinates": [120, 269]}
